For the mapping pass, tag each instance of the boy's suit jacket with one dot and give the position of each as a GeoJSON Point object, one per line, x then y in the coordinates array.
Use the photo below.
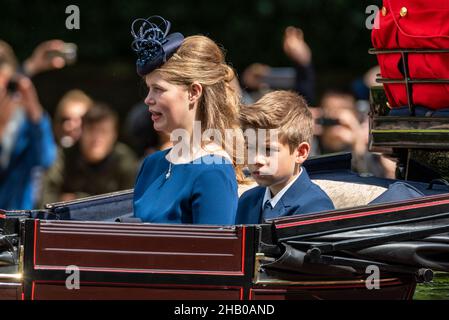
{"type": "Point", "coordinates": [302, 197]}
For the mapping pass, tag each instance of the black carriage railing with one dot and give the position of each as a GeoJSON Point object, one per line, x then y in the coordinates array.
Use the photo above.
{"type": "Point", "coordinates": [407, 80]}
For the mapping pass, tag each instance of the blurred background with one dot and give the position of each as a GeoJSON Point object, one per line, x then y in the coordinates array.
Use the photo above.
{"type": "Point", "coordinates": [250, 31]}
{"type": "Point", "coordinates": [318, 48]}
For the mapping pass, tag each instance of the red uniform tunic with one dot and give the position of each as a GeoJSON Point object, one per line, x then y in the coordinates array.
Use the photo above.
{"type": "Point", "coordinates": [414, 24]}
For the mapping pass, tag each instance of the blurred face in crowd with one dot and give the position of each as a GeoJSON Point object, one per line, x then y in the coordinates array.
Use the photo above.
{"type": "Point", "coordinates": [7, 103]}
{"type": "Point", "coordinates": [6, 73]}
{"type": "Point", "coordinates": [98, 139]}
{"type": "Point", "coordinates": [70, 125]}
{"type": "Point", "coordinates": [342, 133]}
{"type": "Point", "coordinates": [253, 76]}
{"type": "Point", "coordinates": [169, 104]}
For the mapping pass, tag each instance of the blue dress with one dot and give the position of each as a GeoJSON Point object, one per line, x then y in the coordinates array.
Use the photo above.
{"type": "Point", "coordinates": [203, 191]}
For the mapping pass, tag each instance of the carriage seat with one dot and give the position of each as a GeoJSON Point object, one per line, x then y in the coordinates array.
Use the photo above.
{"type": "Point", "coordinates": [343, 194]}
{"type": "Point", "coordinates": [348, 194]}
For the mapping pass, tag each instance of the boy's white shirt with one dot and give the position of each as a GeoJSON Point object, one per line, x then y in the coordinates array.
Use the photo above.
{"type": "Point", "coordinates": [278, 196]}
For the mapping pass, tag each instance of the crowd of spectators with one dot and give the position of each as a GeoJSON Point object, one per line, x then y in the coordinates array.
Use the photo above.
{"type": "Point", "coordinates": [76, 153]}
{"type": "Point", "coordinates": [43, 160]}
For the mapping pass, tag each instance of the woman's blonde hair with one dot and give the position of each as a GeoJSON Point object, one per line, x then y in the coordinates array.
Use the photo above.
{"type": "Point", "coordinates": [199, 59]}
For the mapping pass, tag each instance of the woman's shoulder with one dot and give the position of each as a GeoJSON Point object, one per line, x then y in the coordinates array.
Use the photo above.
{"type": "Point", "coordinates": [213, 169]}
{"type": "Point", "coordinates": [212, 163]}
{"type": "Point", "coordinates": [214, 179]}
{"type": "Point", "coordinates": [212, 159]}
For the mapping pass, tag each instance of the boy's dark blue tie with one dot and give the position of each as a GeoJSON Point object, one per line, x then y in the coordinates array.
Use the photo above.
{"type": "Point", "coordinates": [267, 210]}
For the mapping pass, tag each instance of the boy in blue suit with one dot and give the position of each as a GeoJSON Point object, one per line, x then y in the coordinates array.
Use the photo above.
{"type": "Point", "coordinates": [285, 188]}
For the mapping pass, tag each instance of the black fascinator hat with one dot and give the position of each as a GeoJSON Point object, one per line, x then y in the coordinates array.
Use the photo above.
{"type": "Point", "coordinates": [152, 43]}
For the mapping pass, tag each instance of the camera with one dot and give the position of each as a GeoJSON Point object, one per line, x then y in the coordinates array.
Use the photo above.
{"type": "Point", "coordinates": [327, 122]}
{"type": "Point", "coordinates": [280, 78]}
{"type": "Point", "coordinates": [12, 87]}
{"type": "Point", "coordinates": [68, 53]}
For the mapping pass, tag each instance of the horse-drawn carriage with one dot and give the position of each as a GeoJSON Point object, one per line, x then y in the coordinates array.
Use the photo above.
{"type": "Point", "coordinates": [372, 246]}
{"type": "Point", "coordinates": [368, 248]}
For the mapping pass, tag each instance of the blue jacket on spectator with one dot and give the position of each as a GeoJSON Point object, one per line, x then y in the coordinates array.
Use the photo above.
{"type": "Point", "coordinates": [32, 147]}
{"type": "Point", "coordinates": [303, 196]}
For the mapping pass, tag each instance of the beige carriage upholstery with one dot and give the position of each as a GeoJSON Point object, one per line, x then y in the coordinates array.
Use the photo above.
{"type": "Point", "coordinates": [342, 194]}
{"type": "Point", "coordinates": [347, 194]}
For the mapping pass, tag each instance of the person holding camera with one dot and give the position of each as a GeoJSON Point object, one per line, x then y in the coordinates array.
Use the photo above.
{"type": "Point", "coordinates": [259, 79]}
{"type": "Point", "coordinates": [26, 138]}
{"type": "Point", "coordinates": [344, 128]}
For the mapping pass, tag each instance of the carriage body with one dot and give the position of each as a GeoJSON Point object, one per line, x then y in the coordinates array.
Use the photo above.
{"type": "Point", "coordinates": [313, 256]}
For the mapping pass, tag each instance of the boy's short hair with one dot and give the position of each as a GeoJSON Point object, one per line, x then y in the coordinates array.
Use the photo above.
{"type": "Point", "coordinates": [283, 110]}
{"type": "Point", "coordinates": [98, 113]}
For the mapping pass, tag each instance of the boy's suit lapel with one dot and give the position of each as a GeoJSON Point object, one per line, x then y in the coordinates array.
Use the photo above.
{"type": "Point", "coordinates": [290, 198]}
{"type": "Point", "coordinates": [280, 208]}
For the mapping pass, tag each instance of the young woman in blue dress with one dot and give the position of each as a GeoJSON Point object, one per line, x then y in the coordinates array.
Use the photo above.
{"type": "Point", "coordinates": [189, 92]}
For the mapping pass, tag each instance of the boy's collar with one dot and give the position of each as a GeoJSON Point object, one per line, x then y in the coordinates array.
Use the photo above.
{"type": "Point", "coordinates": [274, 200]}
